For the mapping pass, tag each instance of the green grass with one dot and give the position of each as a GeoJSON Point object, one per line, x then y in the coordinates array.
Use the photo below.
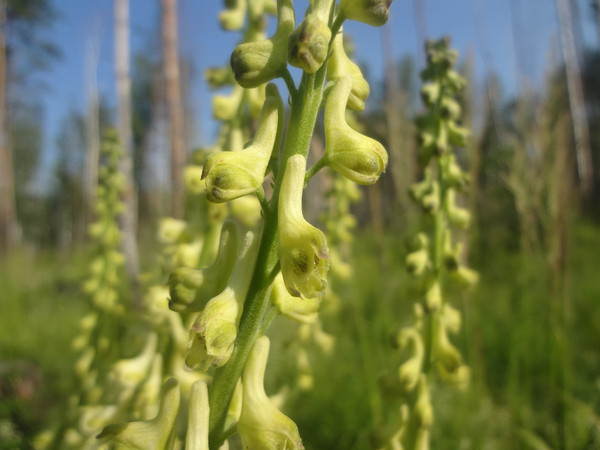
{"type": "Point", "coordinates": [509, 340]}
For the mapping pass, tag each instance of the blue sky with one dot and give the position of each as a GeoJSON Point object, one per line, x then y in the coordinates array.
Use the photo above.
{"type": "Point", "coordinates": [482, 28]}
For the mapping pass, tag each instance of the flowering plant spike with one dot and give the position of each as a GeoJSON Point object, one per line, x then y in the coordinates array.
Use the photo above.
{"type": "Point", "coordinates": [433, 258]}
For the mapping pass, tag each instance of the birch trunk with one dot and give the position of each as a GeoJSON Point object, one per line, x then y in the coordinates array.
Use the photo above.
{"type": "Point", "coordinates": [129, 217]}
{"type": "Point", "coordinates": [576, 96]}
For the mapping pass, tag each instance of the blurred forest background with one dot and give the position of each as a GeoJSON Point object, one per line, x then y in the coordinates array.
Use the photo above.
{"type": "Point", "coordinates": [532, 326]}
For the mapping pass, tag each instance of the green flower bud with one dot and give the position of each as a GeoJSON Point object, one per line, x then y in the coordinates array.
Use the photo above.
{"type": "Point", "coordinates": [339, 65]}
{"type": "Point", "coordinates": [451, 318]}
{"type": "Point", "coordinates": [447, 357]}
{"type": "Point", "coordinates": [247, 210]}
{"type": "Point", "coordinates": [454, 175]}
{"type": "Point", "coordinates": [430, 93]}
{"type": "Point", "coordinates": [188, 254]}
{"type": "Point", "coordinates": [457, 216]}
{"type": "Point", "coordinates": [299, 309]}
{"type": "Point", "coordinates": [255, 98]}
{"type": "Point", "coordinates": [150, 434]}
{"type": "Point", "coordinates": [84, 363]}
{"type": "Point", "coordinates": [148, 397]}
{"type": "Point", "coordinates": [190, 289]}
{"type": "Point", "coordinates": [230, 175]}
{"type": "Point", "coordinates": [215, 329]}
{"type": "Point", "coordinates": [262, 426]}
{"type": "Point", "coordinates": [226, 107]}
{"type": "Point", "coordinates": [410, 371]}
{"type": "Point", "coordinates": [418, 262]}
{"type": "Point", "coordinates": [171, 230]}
{"type": "Point", "coordinates": [217, 77]}
{"type": "Point", "coordinates": [255, 63]}
{"type": "Point", "coordinates": [197, 430]}
{"type": "Point", "coordinates": [457, 135]}
{"type": "Point", "coordinates": [214, 332]}
{"type": "Point", "coordinates": [302, 248]}
{"type": "Point", "coordinates": [127, 374]}
{"type": "Point", "coordinates": [371, 12]}
{"type": "Point", "coordinates": [352, 154]}
{"type": "Point", "coordinates": [309, 43]}
{"type": "Point", "coordinates": [192, 179]}
{"type": "Point", "coordinates": [433, 295]}
{"type": "Point", "coordinates": [233, 18]}
{"type": "Point", "coordinates": [423, 409]}
{"type": "Point", "coordinates": [93, 418]}
{"type": "Point", "coordinates": [465, 276]}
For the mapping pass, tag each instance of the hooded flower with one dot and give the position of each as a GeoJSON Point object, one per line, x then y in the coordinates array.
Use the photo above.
{"type": "Point", "coordinates": [229, 175]}
{"type": "Point", "coordinates": [352, 154]}
{"type": "Point", "coordinates": [303, 248]}
{"type": "Point", "coordinates": [262, 426]}
{"type": "Point", "coordinates": [150, 434]}
{"type": "Point", "coordinates": [255, 63]}
{"type": "Point", "coordinates": [339, 65]}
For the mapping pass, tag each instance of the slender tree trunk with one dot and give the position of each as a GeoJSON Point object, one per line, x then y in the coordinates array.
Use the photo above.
{"type": "Point", "coordinates": [92, 125]}
{"type": "Point", "coordinates": [9, 226]}
{"type": "Point", "coordinates": [174, 105]}
{"type": "Point", "coordinates": [129, 217]}
{"type": "Point", "coordinates": [576, 95]}
{"type": "Point", "coordinates": [398, 137]}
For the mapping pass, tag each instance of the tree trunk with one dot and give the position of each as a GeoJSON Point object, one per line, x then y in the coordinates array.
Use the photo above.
{"type": "Point", "coordinates": [9, 227]}
{"type": "Point", "coordinates": [129, 217]}
{"type": "Point", "coordinates": [92, 125]}
{"type": "Point", "coordinates": [399, 136]}
{"type": "Point", "coordinates": [576, 95]}
{"type": "Point", "coordinates": [174, 105]}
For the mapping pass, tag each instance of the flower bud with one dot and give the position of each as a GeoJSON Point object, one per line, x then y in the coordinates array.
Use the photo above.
{"type": "Point", "coordinates": [457, 216]}
{"type": "Point", "coordinates": [433, 296]}
{"type": "Point", "coordinates": [93, 418]}
{"type": "Point", "coordinates": [339, 66]}
{"type": "Point", "coordinates": [147, 398]}
{"type": "Point", "coordinates": [214, 332]}
{"type": "Point", "coordinates": [447, 357]}
{"type": "Point", "coordinates": [192, 179]}
{"type": "Point", "coordinates": [217, 77]}
{"type": "Point", "coordinates": [247, 210]}
{"type": "Point", "coordinates": [171, 230]}
{"type": "Point", "coordinates": [465, 276]}
{"type": "Point", "coordinates": [150, 434]}
{"type": "Point", "coordinates": [187, 254]}
{"type": "Point", "coordinates": [309, 43]}
{"type": "Point", "coordinates": [190, 288]}
{"type": "Point", "coordinates": [231, 175]}
{"type": "Point", "coordinates": [226, 107]}
{"type": "Point", "coordinates": [371, 12]}
{"type": "Point", "coordinates": [418, 261]}
{"type": "Point", "coordinates": [303, 248]}
{"type": "Point", "coordinates": [352, 154]}
{"type": "Point", "coordinates": [300, 309]}
{"type": "Point", "coordinates": [215, 329]}
{"type": "Point", "coordinates": [423, 409]}
{"type": "Point", "coordinates": [451, 318]}
{"type": "Point", "coordinates": [262, 426]}
{"type": "Point", "coordinates": [233, 18]}
{"type": "Point", "coordinates": [197, 430]}
{"type": "Point", "coordinates": [127, 374]}
{"type": "Point", "coordinates": [410, 371]}
{"type": "Point", "coordinates": [457, 135]}
{"type": "Point", "coordinates": [255, 63]}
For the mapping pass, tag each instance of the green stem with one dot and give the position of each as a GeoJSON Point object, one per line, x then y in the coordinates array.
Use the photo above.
{"type": "Point", "coordinates": [314, 169]}
{"type": "Point", "coordinates": [304, 111]}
